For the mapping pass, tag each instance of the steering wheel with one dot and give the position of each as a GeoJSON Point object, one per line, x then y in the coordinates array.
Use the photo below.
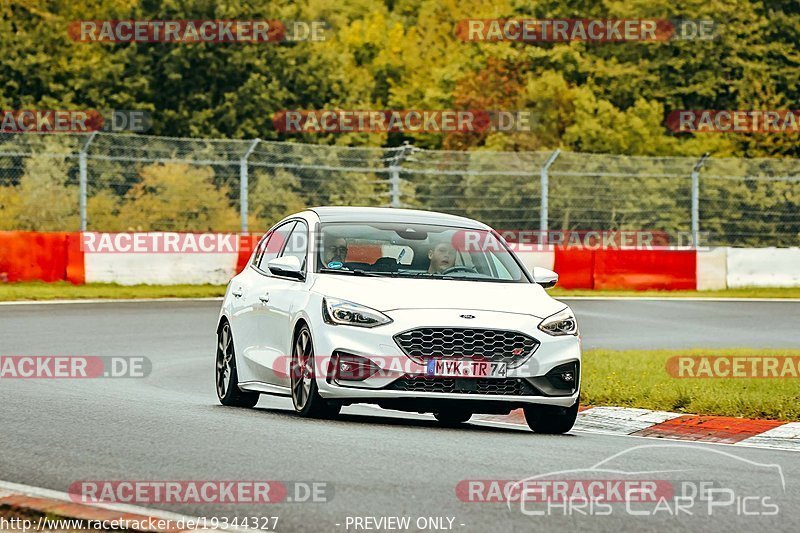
{"type": "Point", "coordinates": [459, 268]}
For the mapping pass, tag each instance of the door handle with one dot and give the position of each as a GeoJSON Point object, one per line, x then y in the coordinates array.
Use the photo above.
{"type": "Point", "coordinates": [237, 292]}
{"type": "Point", "coordinates": [264, 298]}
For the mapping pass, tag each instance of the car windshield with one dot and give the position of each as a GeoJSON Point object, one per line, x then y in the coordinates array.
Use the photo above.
{"type": "Point", "coordinates": [416, 250]}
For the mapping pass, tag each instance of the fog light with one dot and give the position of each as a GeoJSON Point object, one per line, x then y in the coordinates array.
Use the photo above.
{"type": "Point", "coordinates": [565, 377]}
{"type": "Point", "coordinates": [351, 367]}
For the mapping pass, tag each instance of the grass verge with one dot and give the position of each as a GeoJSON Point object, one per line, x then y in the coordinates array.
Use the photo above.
{"type": "Point", "coordinates": [66, 291]}
{"type": "Point", "coordinates": [639, 378]}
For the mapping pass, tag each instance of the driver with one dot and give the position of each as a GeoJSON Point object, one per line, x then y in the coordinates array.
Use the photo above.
{"type": "Point", "coordinates": [442, 256]}
{"type": "Point", "coordinates": [335, 250]}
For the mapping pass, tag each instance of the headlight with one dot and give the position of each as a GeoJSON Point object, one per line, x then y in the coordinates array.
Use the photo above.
{"type": "Point", "coordinates": [335, 311]}
{"type": "Point", "coordinates": [561, 323]}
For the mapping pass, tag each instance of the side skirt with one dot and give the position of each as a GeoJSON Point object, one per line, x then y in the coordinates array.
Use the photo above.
{"type": "Point", "coordinates": [265, 388]}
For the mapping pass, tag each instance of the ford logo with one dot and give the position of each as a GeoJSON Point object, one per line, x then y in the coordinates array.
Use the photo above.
{"type": "Point", "coordinates": [467, 316]}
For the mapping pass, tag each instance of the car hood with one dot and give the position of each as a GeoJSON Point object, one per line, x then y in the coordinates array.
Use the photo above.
{"type": "Point", "coordinates": [389, 294]}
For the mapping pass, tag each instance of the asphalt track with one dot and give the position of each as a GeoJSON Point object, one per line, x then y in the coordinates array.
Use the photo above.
{"type": "Point", "coordinates": [377, 463]}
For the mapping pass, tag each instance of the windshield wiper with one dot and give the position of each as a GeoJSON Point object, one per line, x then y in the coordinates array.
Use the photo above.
{"type": "Point", "coordinates": [355, 272]}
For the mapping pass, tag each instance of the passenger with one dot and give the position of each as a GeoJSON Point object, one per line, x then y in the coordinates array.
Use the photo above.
{"type": "Point", "coordinates": [442, 256]}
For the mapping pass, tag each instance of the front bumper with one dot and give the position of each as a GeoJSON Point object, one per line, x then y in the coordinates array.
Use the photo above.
{"type": "Point", "coordinates": [378, 345]}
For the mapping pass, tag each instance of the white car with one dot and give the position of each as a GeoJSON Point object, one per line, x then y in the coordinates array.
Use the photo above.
{"type": "Point", "coordinates": [410, 310]}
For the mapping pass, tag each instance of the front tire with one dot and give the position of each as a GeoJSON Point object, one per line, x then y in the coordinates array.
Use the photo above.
{"type": "Point", "coordinates": [305, 394]}
{"type": "Point", "coordinates": [227, 378]}
{"type": "Point", "coordinates": [551, 419]}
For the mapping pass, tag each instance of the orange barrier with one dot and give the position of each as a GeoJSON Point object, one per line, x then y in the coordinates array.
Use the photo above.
{"type": "Point", "coordinates": [33, 256]}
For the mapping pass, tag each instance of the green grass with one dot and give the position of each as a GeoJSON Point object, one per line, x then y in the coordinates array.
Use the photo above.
{"type": "Point", "coordinates": [68, 291]}
{"type": "Point", "coordinates": [638, 378]}
{"type": "Point", "coordinates": [748, 292]}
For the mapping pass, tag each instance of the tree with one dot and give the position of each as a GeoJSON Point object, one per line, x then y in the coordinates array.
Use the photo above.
{"type": "Point", "coordinates": [43, 200]}
{"type": "Point", "coordinates": [170, 197]}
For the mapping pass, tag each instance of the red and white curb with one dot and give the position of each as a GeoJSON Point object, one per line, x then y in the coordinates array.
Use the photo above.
{"type": "Point", "coordinates": [51, 502]}
{"type": "Point", "coordinates": [677, 426]}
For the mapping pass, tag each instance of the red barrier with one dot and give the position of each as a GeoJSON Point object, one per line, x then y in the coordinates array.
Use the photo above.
{"type": "Point", "coordinates": [247, 243]}
{"type": "Point", "coordinates": [645, 269]}
{"type": "Point", "coordinates": [575, 268]}
{"type": "Point", "coordinates": [33, 256]}
{"type": "Point", "coordinates": [626, 269]}
{"type": "Point", "coordinates": [76, 265]}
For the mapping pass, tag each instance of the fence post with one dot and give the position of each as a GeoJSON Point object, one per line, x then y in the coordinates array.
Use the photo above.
{"type": "Point", "coordinates": [394, 183]}
{"type": "Point", "coordinates": [83, 180]}
{"type": "Point", "coordinates": [696, 198]}
{"type": "Point", "coordinates": [244, 185]}
{"type": "Point", "coordinates": [544, 178]}
{"type": "Point", "coordinates": [394, 172]}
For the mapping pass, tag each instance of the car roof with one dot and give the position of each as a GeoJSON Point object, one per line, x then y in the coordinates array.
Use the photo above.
{"type": "Point", "coordinates": [388, 214]}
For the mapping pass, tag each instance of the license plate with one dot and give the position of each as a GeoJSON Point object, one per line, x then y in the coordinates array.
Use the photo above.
{"type": "Point", "coordinates": [469, 369]}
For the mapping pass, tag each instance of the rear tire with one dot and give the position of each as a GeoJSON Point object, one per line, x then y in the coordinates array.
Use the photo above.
{"type": "Point", "coordinates": [551, 419]}
{"type": "Point", "coordinates": [227, 378]}
{"type": "Point", "coordinates": [452, 417]}
{"type": "Point", "coordinates": [305, 393]}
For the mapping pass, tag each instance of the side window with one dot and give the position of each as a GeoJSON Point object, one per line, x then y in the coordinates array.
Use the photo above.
{"type": "Point", "coordinates": [275, 244]}
{"type": "Point", "coordinates": [297, 244]}
{"type": "Point", "coordinates": [262, 245]}
{"type": "Point", "coordinates": [502, 271]}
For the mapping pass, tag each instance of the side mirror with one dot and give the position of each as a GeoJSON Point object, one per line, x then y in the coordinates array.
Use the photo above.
{"type": "Point", "coordinates": [544, 277]}
{"type": "Point", "coordinates": [288, 266]}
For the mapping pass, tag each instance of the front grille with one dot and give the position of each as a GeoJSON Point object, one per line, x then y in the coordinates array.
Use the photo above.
{"type": "Point", "coordinates": [494, 345]}
{"type": "Point", "coordinates": [497, 387]}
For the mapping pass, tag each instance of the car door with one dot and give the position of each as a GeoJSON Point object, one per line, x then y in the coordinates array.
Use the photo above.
{"type": "Point", "coordinates": [252, 286]}
{"type": "Point", "coordinates": [281, 297]}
